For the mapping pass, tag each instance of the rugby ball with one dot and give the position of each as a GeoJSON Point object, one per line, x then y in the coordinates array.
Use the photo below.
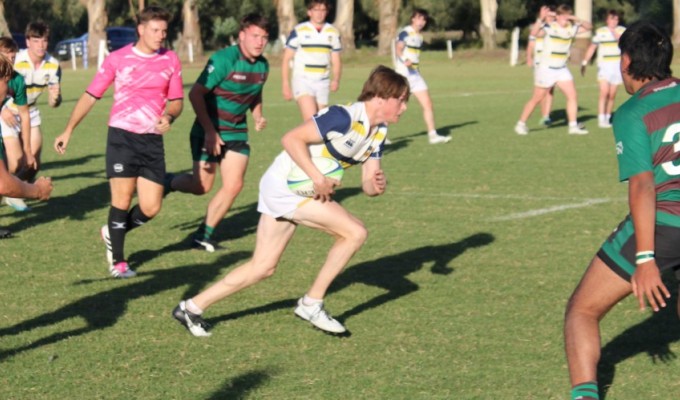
{"type": "Point", "coordinates": [300, 184]}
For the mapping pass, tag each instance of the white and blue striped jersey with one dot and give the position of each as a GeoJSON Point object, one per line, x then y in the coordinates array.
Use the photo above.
{"type": "Point", "coordinates": [313, 49]}
{"type": "Point", "coordinates": [413, 41]}
{"type": "Point", "coordinates": [347, 135]}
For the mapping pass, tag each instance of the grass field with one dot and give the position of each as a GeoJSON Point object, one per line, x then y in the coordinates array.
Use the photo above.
{"type": "Point", "coordinates": [459, 292]}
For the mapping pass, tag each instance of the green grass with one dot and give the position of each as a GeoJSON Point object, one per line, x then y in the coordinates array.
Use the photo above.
{"type": "Point", "coordinates": [458, 294]}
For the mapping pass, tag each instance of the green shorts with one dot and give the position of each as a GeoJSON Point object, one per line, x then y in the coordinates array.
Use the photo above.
{"type": "Point", "coordinates": [618, 251]}
{"type": "Point", "coordinates": [198, 152]}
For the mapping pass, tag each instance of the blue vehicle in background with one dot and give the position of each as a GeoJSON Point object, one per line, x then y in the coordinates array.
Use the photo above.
{"type": "Point", "coordinates": [117, 37]}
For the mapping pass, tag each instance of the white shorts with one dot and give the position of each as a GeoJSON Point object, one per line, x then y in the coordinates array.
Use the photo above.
{"type": "Point", "coordinates": [318, 89]}
{"type": "Point", "coordinates": [8, 131]}
{"type": "Point", "coordinates": [416, 82]}
{"type": "Point", "coordinates": [610, 72]}
{"type": "Point", "coordinates": [275, 199]}
{"type": "Point", "coordinates": [545, 77]}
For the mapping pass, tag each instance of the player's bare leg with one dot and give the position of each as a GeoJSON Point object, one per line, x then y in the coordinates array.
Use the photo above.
{"type": "Point", "coordinates": [272, 238]}
{"type": "Point", "coordinates": [599, 290]}
{"type": "Point", "coordinates": [308, 106]}
{"type": "Point", "coordinates": [569, 90]}
{"type": "Point", "coordinates": [199, 182]}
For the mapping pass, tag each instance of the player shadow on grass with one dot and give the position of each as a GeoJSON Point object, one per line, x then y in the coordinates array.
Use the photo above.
{"type": "Point", "coordinates": [75, 206]}
{"type": "Point", "coordinates": [559, 117]}
{"type": "Point", "coordinates": [102, 310]}
{"type": "Point", "coordinates": [652, 336]}
{"type": "Point", "coordinates": [388, 273]}
{"type": "Point", "coordinates": [240, 386]}
{"type": "Point", "coordinates": [400, 142]}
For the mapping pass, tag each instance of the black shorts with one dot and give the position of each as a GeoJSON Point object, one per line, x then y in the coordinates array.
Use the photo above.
{"type": "Point", "coordinates": [132, 155]}
{"type": "Point", "coordinates": [618, 251]}
{"type": "Point", "coordinates": [198, 152]}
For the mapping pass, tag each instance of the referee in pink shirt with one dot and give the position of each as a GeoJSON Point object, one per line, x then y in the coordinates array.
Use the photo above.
{"type": "Point", "coordinates": [147, 80]}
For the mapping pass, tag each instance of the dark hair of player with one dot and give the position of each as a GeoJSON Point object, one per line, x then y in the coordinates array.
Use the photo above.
{"type": "Point", "coordinates": [650, 51]}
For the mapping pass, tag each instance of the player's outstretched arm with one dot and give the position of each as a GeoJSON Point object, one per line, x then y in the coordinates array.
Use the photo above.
{"type": "Point", "coordinates": [83, 106]}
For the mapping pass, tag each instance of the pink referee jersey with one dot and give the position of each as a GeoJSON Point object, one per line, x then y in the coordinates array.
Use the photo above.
{"type": "Point", "coordinates": [143, 83]}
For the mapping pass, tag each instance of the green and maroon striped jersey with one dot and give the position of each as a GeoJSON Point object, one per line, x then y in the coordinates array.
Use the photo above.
{"type": "Point", "coordinates": [235, 85]}
{"type": "Point", "coordinates": [647, 134]}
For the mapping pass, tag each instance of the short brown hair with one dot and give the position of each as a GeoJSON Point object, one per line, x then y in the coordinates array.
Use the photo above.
{"type": "Point", "coordinates": [254, 19]}
{"type": "Point", "coordinates": [8, 44]}
{"type": "Point", "coordinates": [313, 3]}
{"type": "Point", "coordinates": [37, 29]}
{"type": "Point", "coordinates": [6, 68]}
{"type": "Point", "coordinates": [384, 83]}
{"type": "Point", "coordinates": [151, 13]}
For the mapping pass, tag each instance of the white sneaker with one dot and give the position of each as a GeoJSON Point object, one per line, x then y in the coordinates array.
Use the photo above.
{"type": "Point", "coordinates": [604, 125]}
{"type": "Point", "coordinates": [578, 130]}
{"type": "Point", "coordinates": [521, 129]}
{"type": "Point", "coordinates": [436, 139]}
{"type": "Point", "coordinates": [16, 204]}
{"type": "Point", "coordinates": [104, 231]}
{"type": "Point", "coordinates": [318, 317]}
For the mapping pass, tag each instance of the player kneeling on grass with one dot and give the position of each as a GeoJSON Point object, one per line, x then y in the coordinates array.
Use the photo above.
{"type": "Point", "coordinates": [9, 184]}
{"type": "Point", "coordinates": [352, 135]}
{"type": "Point", "coordinates": [646, 242]}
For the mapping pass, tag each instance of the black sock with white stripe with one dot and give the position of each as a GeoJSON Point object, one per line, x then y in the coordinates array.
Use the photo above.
{"type": "Point", "coordinates": [136, 218]}
{"type": "Point", "coordinates": [117, 228]}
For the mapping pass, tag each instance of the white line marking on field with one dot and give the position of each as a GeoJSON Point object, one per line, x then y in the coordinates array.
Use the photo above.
{"type": "Point", "coordinates": [581, 203]}
{"type": "Point", "coordinates": [548, 210]}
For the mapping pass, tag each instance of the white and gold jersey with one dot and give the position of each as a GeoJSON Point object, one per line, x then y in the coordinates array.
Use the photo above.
{"type": "Point", "coordinates": [313, 49]}
{"type": "Point", "coordinates": [556, 44]}
{"type": "Point", "coordinates": [413, 41]}
{"type": "Point", "coordinates": [608, 45]}
{"type": "Point", "coordinates": [37, 77]}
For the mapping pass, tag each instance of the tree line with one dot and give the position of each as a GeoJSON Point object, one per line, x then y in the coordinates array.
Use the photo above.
{"type": "Point", "coordinates": [210, 23]}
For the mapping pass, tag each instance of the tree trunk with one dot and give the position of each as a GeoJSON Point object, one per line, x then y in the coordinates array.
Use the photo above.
{"type": "Point", "coordinates": [389, 14]}
{"type": "Point", "coordinates": [583, 10]}
{"type": "Point", "coordinates": [676, 24]}
{"type": "Point", "coordinates": [487, 27]}
{"type": "Point", "coordinates": [96, 25]}
{"type": "Point", "coordinates": [285, 13]}
{"type": "Point", "coordinates": [191, 31]}
{"type": "Point", "coordinates": [4, 29]}
{"type": "Point", "coordinates": [344, 20]}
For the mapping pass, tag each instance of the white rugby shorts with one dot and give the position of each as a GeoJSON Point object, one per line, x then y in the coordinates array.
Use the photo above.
{"type": "Point", "coordinates": [8, 131]}
{"type": "Point", "coordinates": [545, 77]}
{"type": "Point", "coordinates": [318, 89]}
{"type": "Point", "coordinates": [610, 72]}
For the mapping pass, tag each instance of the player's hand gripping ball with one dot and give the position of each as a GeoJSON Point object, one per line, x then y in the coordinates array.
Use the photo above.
{"type": "Point", "coordinates": [300, 184]}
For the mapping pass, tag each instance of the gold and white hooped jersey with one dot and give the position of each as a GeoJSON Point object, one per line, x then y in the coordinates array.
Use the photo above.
{"type": "Point", "coordinates": [413, 41]}
{"type": "Point", "coordinates": [347, 135]}
{"type": "Point", "coordinates": [38, 77]}
{"type": "Point", "coordinates": [538, 49]}
{"type": "Point", "coordinates": [313, 49]}
{"type": "Point", "coordinates": [556, 44]}
{"type": "Point", "coordinates": [607, 45]}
